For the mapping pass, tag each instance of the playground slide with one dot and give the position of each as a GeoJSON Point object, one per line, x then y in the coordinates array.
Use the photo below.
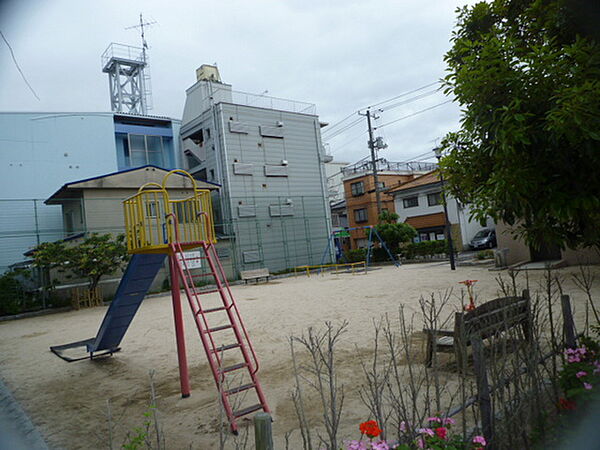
{"type": "Point", "coordinates": [136, 281]}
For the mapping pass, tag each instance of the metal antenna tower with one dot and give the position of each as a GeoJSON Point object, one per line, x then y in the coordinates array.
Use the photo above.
{"type": "Point", "coordinates": [128, 74]}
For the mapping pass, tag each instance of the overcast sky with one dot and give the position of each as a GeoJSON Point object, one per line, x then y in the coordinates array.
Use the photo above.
{"type": "Point", "coordinates": [341, 55]}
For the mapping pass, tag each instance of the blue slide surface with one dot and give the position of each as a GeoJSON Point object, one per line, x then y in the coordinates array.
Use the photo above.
{"type": "Point", "coordinates": [136, 281]}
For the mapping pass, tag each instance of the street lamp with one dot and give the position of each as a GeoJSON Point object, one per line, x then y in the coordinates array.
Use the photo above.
{"type": "Point", "coordinates": [438, 155]}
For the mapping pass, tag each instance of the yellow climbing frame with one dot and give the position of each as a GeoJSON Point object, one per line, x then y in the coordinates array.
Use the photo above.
{"type": "Point", "coordinates": [154, 220]}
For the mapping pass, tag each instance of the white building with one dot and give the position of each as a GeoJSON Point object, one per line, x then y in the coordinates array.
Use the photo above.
{"type": "Point", "coordinates": [419, 203]}
{"type": "Point", "coordinates": [267, 155]}
{"type": "Point", "coordinates": [335, 184]}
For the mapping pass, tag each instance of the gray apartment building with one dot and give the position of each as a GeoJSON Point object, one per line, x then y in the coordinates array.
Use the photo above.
{"type": "Point", "coordinates": [267, 155]}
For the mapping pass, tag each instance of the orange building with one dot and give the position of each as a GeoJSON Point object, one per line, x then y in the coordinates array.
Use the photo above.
{"type": "Point", "coordinates": [359, 191]}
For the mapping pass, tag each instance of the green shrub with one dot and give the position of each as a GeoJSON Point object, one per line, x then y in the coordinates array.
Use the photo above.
{"type": "Point", "coordinates": [425, 248]}
{"type": "Point", "coordinates": [356, 255]}
{"type": "Point", "coordinates": [380, 255]}
{"type": "Point", "coordinates": [13, 297]}
{"type": "Point", "coordinates": [485, 254]}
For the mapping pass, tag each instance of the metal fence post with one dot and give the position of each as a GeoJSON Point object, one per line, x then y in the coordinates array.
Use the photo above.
{"type": "Point", "coordinates": [263, 434]}
{"type": "Point", "coordinates": [568, 324]}
{"type": "Point", "coordinates": [483, 391]}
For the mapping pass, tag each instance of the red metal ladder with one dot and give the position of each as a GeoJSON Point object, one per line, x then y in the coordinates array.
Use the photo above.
{"type": "Point", "coordinates": [232, 359]}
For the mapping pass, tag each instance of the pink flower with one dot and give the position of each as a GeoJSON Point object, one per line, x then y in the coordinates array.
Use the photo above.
{"type": "Point", "coordinates": [421, 443]}
{"type": "Point", "coordinates": [434, 419]}
{"type": "Point", "coordinates": [581, 373]}
{"type": "Point", "coordinates": [403, 426]}
{"type": "Point", "coordinates": [356, 445]}
{"type": "Point", "coordinates": [588, 386]}
{"type": "Point", "coordinates": [427, 431]}
{"type": "Point", "coordinates": [479, 440]}
{"type": "Point", "coordinates": [449, 421]}
{"type": "Point", "coordinates": [381, 445]}
{"type": "Point", "coordinates": [573, 358]}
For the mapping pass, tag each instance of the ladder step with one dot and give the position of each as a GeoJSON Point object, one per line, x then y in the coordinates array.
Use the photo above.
{"type": "Point", "coordinates": [222, 327]}
{"type": "Point", "coordinates": [235, 390]}
{"type": "Point", "coordinates": [212, 291]}
{"type": "Point", "coordinates": [209, 310]}
{"type": "Point", "coordinates": [234, 367]}
{"type": "Point", "coordinates": [248, 410]}
{"type": "Point", "coordinates": [226, 347]}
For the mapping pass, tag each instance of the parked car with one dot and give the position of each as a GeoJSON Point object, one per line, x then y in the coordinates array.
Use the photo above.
{"type": "Point", "coordinates": [483, 239]}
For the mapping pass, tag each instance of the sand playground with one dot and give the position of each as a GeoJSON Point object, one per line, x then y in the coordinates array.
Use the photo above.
{"type": "Point", "coordinates": [68, 401]}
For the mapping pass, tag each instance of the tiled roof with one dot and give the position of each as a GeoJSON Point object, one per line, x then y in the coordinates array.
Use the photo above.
{"type": "Point", "coordinates": [423, 180]}
{"type": "Point", "coordinates": [427, 220]}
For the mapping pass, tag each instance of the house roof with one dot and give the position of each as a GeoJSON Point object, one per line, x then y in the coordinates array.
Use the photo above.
{"type": "Point", "coordinates": [427, 220]}
{"type": "Point", "coordinates": [432, 177]}
{"type": "Point", "coordinates": [125, 179]}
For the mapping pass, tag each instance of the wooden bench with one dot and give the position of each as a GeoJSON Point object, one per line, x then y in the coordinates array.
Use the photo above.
{"type": "Point", "coordinates": [255, 274]}
{"type": "Point", "coordinates": [487, 320]}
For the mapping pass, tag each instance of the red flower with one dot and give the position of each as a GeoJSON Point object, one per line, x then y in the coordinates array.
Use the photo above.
{"type": "Point", "coordinates": [370, 428]}
{"type": "Point", "coordinates": [468, 283]}
{"type": "Point", "coordinates": [442, 432]}
{"type": "Point", "coordinates": [566, 405]}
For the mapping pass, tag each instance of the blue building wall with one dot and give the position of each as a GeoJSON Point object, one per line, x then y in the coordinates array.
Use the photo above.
{"type": "Point", "coordinates": [40, 152]}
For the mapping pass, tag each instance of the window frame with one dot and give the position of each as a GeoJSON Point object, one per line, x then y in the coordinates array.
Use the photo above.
{"type": "Point", "coordinates": [357, 189]}
{"type": "Point", "coordinates": [437, 195]}
{"type": "Point", "coordinates": [358, 213]}
{"type": "Point", "coordinates": [406, 204]}
{"type": "Point", "coordinates": [155, 153]}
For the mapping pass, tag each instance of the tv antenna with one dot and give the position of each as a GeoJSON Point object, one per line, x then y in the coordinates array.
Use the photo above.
{"type": "Point", "coordinates": [140, 27]}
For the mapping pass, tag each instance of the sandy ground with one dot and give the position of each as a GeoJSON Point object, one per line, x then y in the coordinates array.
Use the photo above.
{"type": "Point", "coordinates": [68, 402]}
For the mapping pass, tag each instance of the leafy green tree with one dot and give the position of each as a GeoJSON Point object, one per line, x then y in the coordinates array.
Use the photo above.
{"type": "Point", "coordinates": [391, 231]}
{"type": "Point", "coordinates": [527, 76]}
{"type": "Point", "coordinates": [96, 256]}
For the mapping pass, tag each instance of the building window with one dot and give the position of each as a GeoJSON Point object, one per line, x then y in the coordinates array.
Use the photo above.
{"type": "Point", "coordinates": [380, 185]}
{"type": "Point", "coordinates": [360, 215]}
{"type": "Point", "coordinates": [357, 188]}
{"type": "Point", "coordinates": [434, 199]}
{"type": "Point", "coordinates": [152, 209]}
{"type": "Point", "coordinates": [410, 202]}
{"type": "Point", "coordinates": [145, 150]}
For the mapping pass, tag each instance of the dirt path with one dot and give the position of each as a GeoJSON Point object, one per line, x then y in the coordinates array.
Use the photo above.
{"type": "Point", "coordinates": [68, 401]}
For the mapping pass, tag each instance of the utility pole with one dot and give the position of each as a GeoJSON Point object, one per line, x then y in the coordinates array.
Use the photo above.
{"type": "Point", "coordinates": [373, 160]}
{"type": "Point", "coordinates": [448, 227]}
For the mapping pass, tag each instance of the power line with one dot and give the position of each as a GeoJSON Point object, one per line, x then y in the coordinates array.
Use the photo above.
{"type": "Point", "coordinates": [413, 114]}
{"type": "Point", "coordinates": [339, 122]}
{"type": "Point", "coordinates": [387, 108]}
{"type": "Point", "coordinates": [18, 67]}
{"type": "Point", "coordinates": [352, 140]}
{"type": "Point", "coordinates": [344, 129]}
{"type": "Point", "coordinates": [410, 100]}
{"type": "Point", "coordinates": [403, 94]}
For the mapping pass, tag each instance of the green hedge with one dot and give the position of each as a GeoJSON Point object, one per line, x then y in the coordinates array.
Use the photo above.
{"type": "Point", "coordinates": [425, 248]}
{"type": "Point", "coordinates": [356, 255]}
{"type": "Point", "coordinates": [13, 297]}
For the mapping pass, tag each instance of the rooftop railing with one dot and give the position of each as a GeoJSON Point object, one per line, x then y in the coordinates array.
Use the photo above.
{"type": "Point", "coordinates": [265, 101]}
{"type": "Point", "coordinates": [384, 165]}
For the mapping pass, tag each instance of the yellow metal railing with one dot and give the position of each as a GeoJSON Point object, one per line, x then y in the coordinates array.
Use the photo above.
{"type": "Point", "coordinates": [360, 266]}
{"type": "Point", "coordinates": [154, 220]}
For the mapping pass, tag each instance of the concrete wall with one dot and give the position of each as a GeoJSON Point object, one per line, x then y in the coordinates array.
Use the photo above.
{"type": "Point", "coordinates": [518, 251]}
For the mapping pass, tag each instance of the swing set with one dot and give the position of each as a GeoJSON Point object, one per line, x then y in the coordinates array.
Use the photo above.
{"type": "Point", "coordinates": [372, 232]}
